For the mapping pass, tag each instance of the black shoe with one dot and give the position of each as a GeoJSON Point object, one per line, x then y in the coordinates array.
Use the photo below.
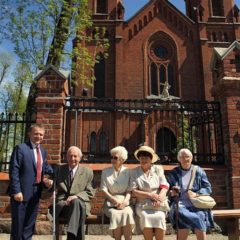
{"type": "Point", "coordinates": [71, 236]}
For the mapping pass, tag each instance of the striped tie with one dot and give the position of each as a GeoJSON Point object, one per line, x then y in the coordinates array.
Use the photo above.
{"type": "Point", "coordinates": [39, 165]}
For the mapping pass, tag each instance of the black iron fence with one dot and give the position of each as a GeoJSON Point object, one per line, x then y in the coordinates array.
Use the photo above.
{"type": "Point", "coordinates": [97, 125]}
{"type": "Point", "coordinates": [13, 128]}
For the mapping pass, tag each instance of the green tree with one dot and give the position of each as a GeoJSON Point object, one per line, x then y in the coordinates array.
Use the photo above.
{"type": "Point", "coordinates": [5, 64]}
{"type": "Point", "coordinates": [42, 32]}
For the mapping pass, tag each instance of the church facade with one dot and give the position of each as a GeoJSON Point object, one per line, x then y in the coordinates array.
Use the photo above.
{"type": "Point", "coordinates": [157, 81]}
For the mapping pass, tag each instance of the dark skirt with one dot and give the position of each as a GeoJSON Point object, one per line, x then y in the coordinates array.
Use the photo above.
{"type": "Point", "coordinates": [191, 218]}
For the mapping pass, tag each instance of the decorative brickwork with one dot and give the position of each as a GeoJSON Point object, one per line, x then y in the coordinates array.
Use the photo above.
{"type": "Point", "coordinates": [227, 91]}
{"type": "Point", "coordinates": [52, 89]}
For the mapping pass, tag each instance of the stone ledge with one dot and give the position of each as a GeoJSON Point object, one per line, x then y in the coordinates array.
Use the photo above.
{"type": "Point", "coordinates": [45, 228]}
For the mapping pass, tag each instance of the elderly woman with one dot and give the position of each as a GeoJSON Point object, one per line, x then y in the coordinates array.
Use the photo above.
{"type": "Point", "coordinates": [149, 186]}
{"type": "Point", "coordinates": [189, 217]}
{"type": "Point", "coordinates": [114, 184]}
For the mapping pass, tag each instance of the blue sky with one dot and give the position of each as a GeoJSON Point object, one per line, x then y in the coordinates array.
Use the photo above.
{"type": "Point", "coordinates": [132, 6]}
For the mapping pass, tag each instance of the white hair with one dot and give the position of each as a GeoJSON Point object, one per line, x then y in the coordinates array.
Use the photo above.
{"type": "Point", "coordinates": [123, 153]}
{"type": "Point", "coordinates": [184, 150]}
{"type": "Point", "coordinates": [76, 148]}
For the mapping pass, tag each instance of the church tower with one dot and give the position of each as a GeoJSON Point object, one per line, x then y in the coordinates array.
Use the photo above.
{"type": "Point", "coordinates": [107, 9]}
{"type": "Point", "coordinates": [107, 17]}
{"type": "Point", "coordinates": [217, 28]}
{"type": "Point", "coordinates": [210, 10]}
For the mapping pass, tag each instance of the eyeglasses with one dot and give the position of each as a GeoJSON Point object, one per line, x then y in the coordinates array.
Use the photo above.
{"type": "Point", "coordinates": [115, 158]}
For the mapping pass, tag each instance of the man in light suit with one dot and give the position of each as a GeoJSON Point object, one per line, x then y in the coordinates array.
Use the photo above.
{"type": "Point", "coordinates": [26, 183]}
{"type": "Point", "coordinates": [74, 192]}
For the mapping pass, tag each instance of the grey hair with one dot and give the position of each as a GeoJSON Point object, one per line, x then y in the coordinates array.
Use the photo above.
{"type": "Point", "coordinates": [184, 150]}
{"type": "Point", "coordinates": [77, 148]}
{"type": "Point", "coordinates": [123, 153]}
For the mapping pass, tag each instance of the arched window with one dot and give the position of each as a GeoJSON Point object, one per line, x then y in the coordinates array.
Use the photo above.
{"type": "Point", "coordinates": [166, 141]}
{"type": "Point", "coordinates": [135, 29]}
{"type": "Point", "coordinates": [103, 143]}
{"type": "Point", "coordinates": [99, 73]}
{"type": "Point", "coordinates": [162, 66]}
{"type": "Point", "coordinates": [101, 6]}
{"type": "Point", "coordinates": [214, 37]}
{"type": "Point", "coordinates": [130, 35]}
{"type": "Point", "coordinates": [225, 37]}
{"type": "Point", "coordinates": [145, 20]}
{"type": "Point", "coordinates": [154, 86]}
{"type": "Point", "coordinates": [93, 142]}
{"type": "Point", "coordinates": [171, 79]}
{"type": "Point", "coordinates": [217, 8]}
{"type": "Point", "coordinates": [140, 25]}
{"type": "Point", "coordinates": [162, 73]}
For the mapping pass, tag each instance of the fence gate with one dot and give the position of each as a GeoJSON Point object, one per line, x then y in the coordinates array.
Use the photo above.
{"type": "Point", "coordinates": [97, 125]}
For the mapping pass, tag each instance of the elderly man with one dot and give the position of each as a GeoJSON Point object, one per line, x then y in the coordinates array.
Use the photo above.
{"type": "Point", "coordinates": [74, 192]}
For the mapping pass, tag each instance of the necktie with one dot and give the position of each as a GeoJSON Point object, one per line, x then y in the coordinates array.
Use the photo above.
{"type": "Point", "coordinates": [39, 165]}
{"type": "Point", "coordinates": [71, 176]}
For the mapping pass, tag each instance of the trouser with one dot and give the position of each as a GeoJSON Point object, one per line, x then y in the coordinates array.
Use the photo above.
{"type": "Point", "coordinates": [76, 216]}
{"type": "Point", "coordinates": [24, 216]}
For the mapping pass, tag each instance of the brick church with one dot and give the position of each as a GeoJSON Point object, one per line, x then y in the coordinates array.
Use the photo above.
{"type": "Point", "coordinates": [160, 44]}
{"type": "Point", "coordinates": [158, 58]}
{"type": "Point", "coordinates": [171, 80]}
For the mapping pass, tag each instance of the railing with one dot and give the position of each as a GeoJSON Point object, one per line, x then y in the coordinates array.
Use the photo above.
{"type": "Point", "coordinates": [12, 132]}
{"type": "Point", "coordinates": [97, 125]}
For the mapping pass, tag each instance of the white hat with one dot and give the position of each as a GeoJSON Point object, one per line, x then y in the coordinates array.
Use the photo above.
{"type": "Point", "coordinates": [148, 150]}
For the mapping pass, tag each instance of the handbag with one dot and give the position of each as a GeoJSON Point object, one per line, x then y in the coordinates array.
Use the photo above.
{"type": "Point", "coordinates": [201, 201]}
{"type": "Point", "coordinates": [119, 197]}
{"type": "Point", "coordinates": [148, 205]}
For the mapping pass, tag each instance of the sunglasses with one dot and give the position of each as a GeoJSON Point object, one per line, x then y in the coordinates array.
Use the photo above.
{"type": "Point", "coordinates": [115, 158]}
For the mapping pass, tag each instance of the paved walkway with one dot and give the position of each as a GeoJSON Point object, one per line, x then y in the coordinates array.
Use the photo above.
{"type": "Point", "coordinates": [105, 237]}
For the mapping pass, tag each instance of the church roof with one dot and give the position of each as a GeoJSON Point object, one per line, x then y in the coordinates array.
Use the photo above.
{"type": "Point", "coordinates": [62, 73]}
{"type": "Point", "coordinates": [221, 53]}
{"type": "Point", "coordinates": [170, 6]}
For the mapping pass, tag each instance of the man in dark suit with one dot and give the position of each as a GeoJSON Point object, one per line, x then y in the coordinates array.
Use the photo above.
{"type": "Point", "coordinates": [74, 192]}
{"type": "Point", "coordinates": [27, 167]}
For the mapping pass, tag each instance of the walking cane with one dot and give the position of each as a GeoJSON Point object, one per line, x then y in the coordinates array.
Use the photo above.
{"type": "Point", "coordinates": [55, 168]}
{"type": "Point", "coordinates": [177, 214]}
{"type": "Point", "coordinates": [177, 190]}
{"type": "Point", "coordinates": [54, 210]}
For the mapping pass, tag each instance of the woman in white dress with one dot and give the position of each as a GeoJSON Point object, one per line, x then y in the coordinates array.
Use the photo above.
{"type": "Point", "coordinates": [149, 186]}
{"type": "Point", "coordinates": [114, 184]}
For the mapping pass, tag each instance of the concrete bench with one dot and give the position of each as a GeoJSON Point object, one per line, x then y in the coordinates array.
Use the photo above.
{"type": "Point", "coordinates": [231, 216]}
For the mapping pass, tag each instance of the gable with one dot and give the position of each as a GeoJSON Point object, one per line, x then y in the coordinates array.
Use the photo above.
{"type": "Point", "coordinates": [222, 53]}
{"type": "Point", "coordinates": [166, 13]}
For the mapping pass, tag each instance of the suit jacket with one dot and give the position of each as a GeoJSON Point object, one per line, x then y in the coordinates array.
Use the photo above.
{"type": "Point", "coordinates": [81, 186]}
{"type": "Point", "coordinates": [23, 170]}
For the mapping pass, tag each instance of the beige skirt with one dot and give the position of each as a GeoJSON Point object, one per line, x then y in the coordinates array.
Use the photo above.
{"type": "Point", "coordinates": [119, 218]}
{"type": "Point", "coordinates": [150, 218]}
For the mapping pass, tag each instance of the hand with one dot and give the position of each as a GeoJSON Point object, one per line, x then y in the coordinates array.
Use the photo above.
{"type": "Point", "coordinates": [123, 204]}
{"type": "Point", "coordinates": [48, 182]}
{"type": "Point", "coordinates": [175, 191]}
{"type": "Point", "coordinates": [117, 204]}
{"type": "Point", "coordinates": [192, 194]}
{"type": "Point", "coordinates": [18, 197]}
{"type": "Point", "coordinates": [156, 204]}
{"type": "Point", "coordinates": [70, 199]}
{"type": "Point", "coordinates": [154, 196]}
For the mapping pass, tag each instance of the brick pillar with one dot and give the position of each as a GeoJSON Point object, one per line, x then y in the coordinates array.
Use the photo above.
{"type": "Point", "coordinates": [227, 91]}
{"type": "Point", "coordinates": [52, 90]}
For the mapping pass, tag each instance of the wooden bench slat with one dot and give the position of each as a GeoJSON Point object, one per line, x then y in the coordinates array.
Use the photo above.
{"type": "Point", "coordinates": [226, 213]}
